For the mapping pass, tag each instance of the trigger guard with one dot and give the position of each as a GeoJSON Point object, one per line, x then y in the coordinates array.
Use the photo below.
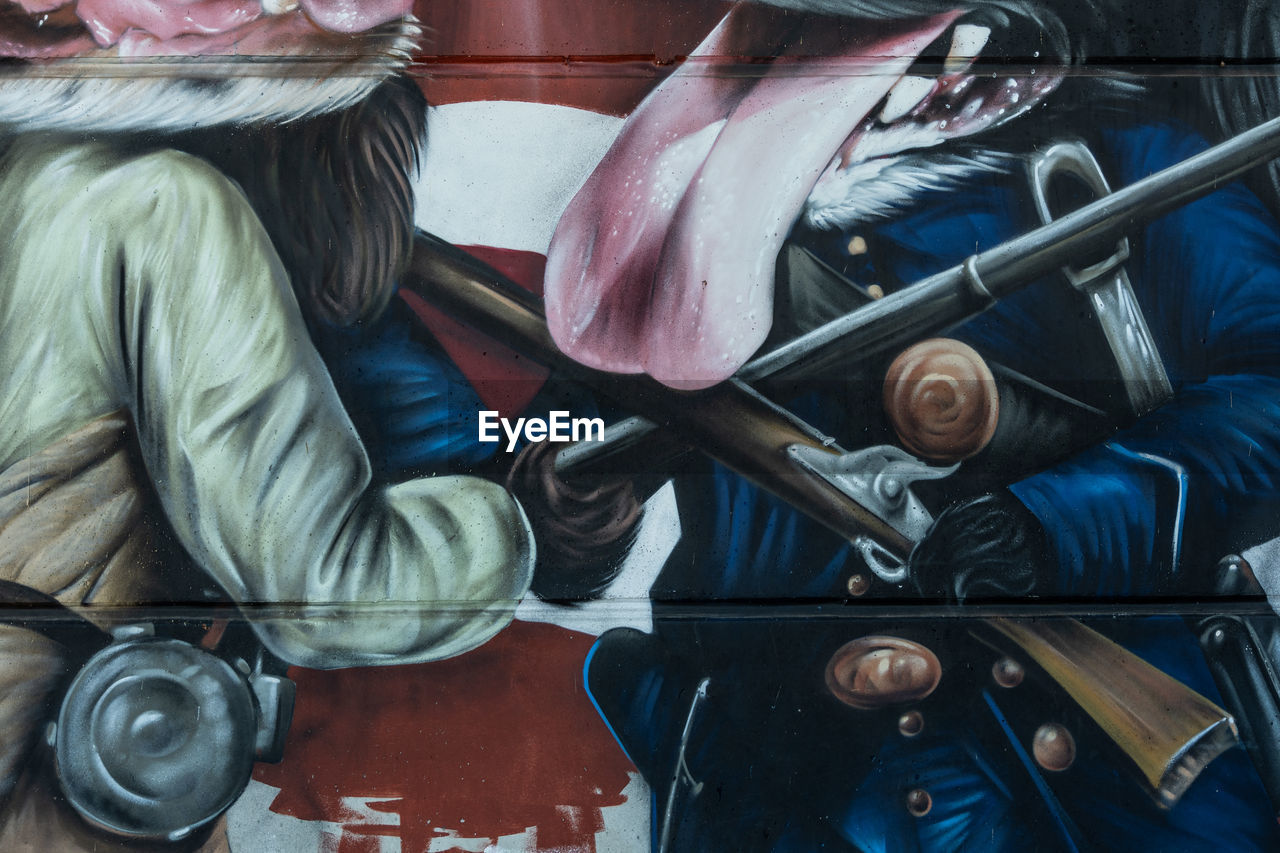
{"type": "Point", "coordinates": [881, 563]}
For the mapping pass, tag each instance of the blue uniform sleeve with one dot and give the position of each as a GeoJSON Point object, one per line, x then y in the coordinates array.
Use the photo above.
{"type": "Point", "coordinates": [413, 408]}
{"type": "Point", "coordinates": [1143, 512]}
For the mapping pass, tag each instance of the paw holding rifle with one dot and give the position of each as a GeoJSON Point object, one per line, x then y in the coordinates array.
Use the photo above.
{"type": "Point", "coordinates": [989, 546]}
{"type": "Point", "coordinates": [583, 526]}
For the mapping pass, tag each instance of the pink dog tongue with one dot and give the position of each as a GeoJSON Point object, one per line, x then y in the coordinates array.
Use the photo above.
{"type": "Point", "coordinates": [177, 27]}
{"type": "Point", "coordinates": [664, 261]}
{"type": "Point", "coordinates": [355, 16]}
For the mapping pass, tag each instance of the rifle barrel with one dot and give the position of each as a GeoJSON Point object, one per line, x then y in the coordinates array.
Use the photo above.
{"type": "Point", "coordinates": [967, 289]}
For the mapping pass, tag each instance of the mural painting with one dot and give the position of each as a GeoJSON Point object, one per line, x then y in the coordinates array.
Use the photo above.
{"type": "Point", "coordinates": [572, 426]}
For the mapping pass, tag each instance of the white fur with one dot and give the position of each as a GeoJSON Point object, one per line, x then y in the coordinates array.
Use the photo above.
{"type": "Point", "coordinates": [163, 95]}
{"type": "Point", "coordinates": [877, 189]}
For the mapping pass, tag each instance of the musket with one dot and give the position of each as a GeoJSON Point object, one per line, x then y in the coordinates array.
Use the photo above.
{"type": "Point", "coordinates": [749, 433]}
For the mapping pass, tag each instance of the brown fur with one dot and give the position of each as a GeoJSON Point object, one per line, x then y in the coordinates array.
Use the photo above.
{"type": "Point", "coordinates": [335, 193]}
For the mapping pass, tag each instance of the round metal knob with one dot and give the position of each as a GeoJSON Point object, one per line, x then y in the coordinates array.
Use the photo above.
{"type": "Point", "coordinates": [941, 400]}
{"type": "Point", "coordinates": [155, 738]}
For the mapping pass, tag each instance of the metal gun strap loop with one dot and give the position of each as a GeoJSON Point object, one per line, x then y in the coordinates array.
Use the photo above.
{"type": "Point", "coordinates": [1105, 284]}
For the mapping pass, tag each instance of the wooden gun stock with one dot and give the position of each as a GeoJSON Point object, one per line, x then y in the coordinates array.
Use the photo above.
{"type": "Point", "coordinates": [1168, 730]}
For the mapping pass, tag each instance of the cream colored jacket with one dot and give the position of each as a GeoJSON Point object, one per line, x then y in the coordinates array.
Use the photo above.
{"type": "Point", "coordinates": [147, 283]}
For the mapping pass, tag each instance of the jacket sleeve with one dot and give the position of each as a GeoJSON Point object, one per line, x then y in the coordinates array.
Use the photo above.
{"type": "Point", "coordinates": [1151, 510]}
{"type": "Point", "coordinates": [258, 466]}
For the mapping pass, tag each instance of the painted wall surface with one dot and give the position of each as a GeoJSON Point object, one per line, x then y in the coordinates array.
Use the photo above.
{"type": "Point", "coordinates": [585, 426]}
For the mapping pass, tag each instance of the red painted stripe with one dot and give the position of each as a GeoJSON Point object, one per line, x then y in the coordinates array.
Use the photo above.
{"type": "Point", "coordinates": [488, 743]}
{"type": "Point", "coordinates": [505, 380]}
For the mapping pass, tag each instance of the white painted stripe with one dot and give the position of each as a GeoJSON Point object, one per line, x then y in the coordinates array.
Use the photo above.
{"type": "Point", "coordinates": [251, 825]}
{"type": "Point", "coordinates": [500, 173]}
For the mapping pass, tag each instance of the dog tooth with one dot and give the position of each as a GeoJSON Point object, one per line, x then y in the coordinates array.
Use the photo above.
{"type": "Point", "coordinates": [904, 97]}
{"type": "Point", "coordinates": [967, 41]}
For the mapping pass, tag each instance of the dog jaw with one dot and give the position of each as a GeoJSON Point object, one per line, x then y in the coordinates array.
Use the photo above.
{"type": "Point", "coordinates": [110, 66]}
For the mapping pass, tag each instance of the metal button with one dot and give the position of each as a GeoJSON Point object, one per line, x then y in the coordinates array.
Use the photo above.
{"type": "Point", "coordinates": [1007, 672]}
{"type": "Point", "coordinates": [919, 802]}
{"type": "Point", "coordinates": [857, 245]}
{"type": "Point", "coordinates": [858, 584]}
{"type": "Point", "coordinates": [878, 671]}
{"type": "Point", "coordinates": [911, 723]}
{"type": "Point", "coordinates": [1053, 747]}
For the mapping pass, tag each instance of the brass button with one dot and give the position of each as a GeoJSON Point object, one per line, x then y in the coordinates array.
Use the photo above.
{"type": "Point", "coordinates": [919, 802]}
{"type": "Point", "coordinates": [875, 291]}
{"type": "Point", "coordinates": [1007, 672]}
{"type": "Point", "coordinates": [1053, 747]}
{"type": "Point", "coordinates": [940, 397]}
{"type": "Point", "coordinates": [911, 723]}
{"type": "Point", "coordinates": [858, 585]}
{"type": "Point", "coordinates": [857, 245]}
{"type": "Point", "coordinates": [876, 671]}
